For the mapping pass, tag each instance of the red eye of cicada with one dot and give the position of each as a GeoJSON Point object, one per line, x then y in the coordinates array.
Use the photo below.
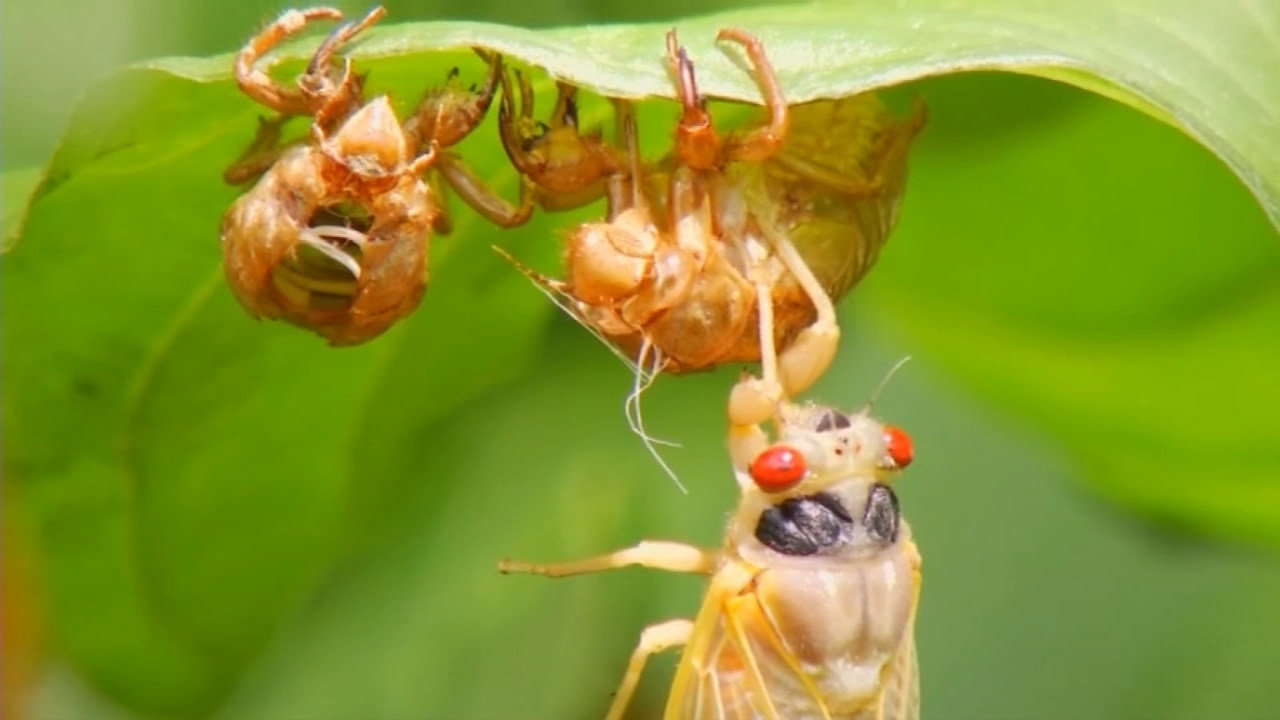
{"type": "Point", "coordinates": [897, 445]}
{"type": "Point", "coordinates": [778, 468]}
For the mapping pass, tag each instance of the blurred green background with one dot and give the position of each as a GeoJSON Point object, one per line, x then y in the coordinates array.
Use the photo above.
{"type": "Point", "coordinates": [1040, 600]}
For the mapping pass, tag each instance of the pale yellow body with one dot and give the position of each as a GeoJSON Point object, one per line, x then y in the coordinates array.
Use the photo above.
{"type": "Point", "coordinates": [823, 633]}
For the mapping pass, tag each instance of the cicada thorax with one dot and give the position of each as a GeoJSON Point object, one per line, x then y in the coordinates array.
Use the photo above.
{"type": "Point", "coordinates": [835, 579]}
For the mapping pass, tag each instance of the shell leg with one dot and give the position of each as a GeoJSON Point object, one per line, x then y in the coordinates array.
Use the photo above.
{"type": "Point", "coordinates": [654, 639]}
{"type": "Point", "coordinates": [448, 115]}
{"type": "Point", "coordinates": [480, 197]}
{"type": "Point", "coordinates": [332, 100]}
{"type": "Point", "coordinates": [261, 154]}
{"type": "Point", "coordinates": [764, 141]}
{"type": "Point", "coordinates": [255, 82]}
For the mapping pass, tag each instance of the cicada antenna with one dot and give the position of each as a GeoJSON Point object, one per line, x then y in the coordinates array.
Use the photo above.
{"type": "Point", "coordinates": [875, 394]}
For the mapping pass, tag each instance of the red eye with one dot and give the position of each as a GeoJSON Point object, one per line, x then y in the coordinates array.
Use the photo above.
{"type": "Point", "coordinates": [897, 445]}
{"type": "Point", "coordinates": [778, 468]}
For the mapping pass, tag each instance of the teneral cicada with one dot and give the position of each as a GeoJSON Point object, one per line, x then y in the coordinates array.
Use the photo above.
{"type": "Point", "coordinates": [811, 606]}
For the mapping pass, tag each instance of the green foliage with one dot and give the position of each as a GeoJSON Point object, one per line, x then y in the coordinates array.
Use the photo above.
{"type": "Point", "coordinates": [202, 484]}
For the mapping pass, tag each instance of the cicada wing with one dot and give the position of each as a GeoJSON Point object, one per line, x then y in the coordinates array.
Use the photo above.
{"type": "Point", "coordinates": [734, 667]}
{"type": "Point", "coordinates": [690, 698]}
{"type": "Point", "coordinates": [900, 699]}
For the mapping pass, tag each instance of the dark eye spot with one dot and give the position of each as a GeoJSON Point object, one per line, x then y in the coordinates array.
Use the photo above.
{"type": "Point", "coordinates": [832, 420]}
{"type": "Point", "coordinates": [805, 525]}
{"type": "Point", "coordinates": [882, 514]}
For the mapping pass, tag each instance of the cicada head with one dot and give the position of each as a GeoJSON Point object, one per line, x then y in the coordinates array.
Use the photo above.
{"type": "Point", "coordinates": [824, 485]}
{"type": "Point", "coordinates": [833, 443]}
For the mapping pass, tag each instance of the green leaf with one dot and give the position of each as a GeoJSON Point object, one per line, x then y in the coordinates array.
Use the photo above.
{"type": "Point", "coordinates": [1208, 70]}
{"type": "Point", "coordinates": [1107, 279]}
{"type": "Point", "coordinates": [17, 186]}
{"type": "Point", "coordinates": [194, 472]}
{"type": "Point", "coordinates": [196, 477]}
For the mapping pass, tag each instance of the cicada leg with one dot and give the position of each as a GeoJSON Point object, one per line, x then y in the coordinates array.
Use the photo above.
{"type": "Point", "coordinates": [654, 639]}
{"type": "Point", "coordinates": [261, 154]}
{"type": "Point", "coordinates": [655, 554]}
{"type": "Point", "coordinates": [255, 82]}
{"type": "Point", "coordinates": [754, 400]}
{"type": "Point", "coordinates": [789, 372]}
{"type": "Point", "coordinates": [814, 348]}
{"type": "Point", "coordinates": [784, 374]}
{"type": "Point", "coordinates": [762, 142]}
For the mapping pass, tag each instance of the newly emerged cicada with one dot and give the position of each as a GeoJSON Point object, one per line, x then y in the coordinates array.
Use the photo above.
{"type": "Point", "coordinates": [811, 605]}
{"type": "Point", "coordinates": [333, 236]}
{"type": "Point", "coordinates": [726, 238]}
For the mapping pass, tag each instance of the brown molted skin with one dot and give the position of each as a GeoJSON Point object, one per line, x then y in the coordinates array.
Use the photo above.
{"type": "Point", "coordinates": [261, 229]}
{"type": "Point", "coordinates": [562, 167]}
{"type": "Point", "coordinates": [334, 235]}
{"type": "Point", "coordinates": [834, 188]}
{"type": "Point", "coordinates": [673, 268]}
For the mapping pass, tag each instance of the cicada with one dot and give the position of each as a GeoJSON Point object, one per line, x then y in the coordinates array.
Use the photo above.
{"type": "Point", "coordinates": [811, 606]}
{"type": "Point", "coordinates": [333, 235]}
